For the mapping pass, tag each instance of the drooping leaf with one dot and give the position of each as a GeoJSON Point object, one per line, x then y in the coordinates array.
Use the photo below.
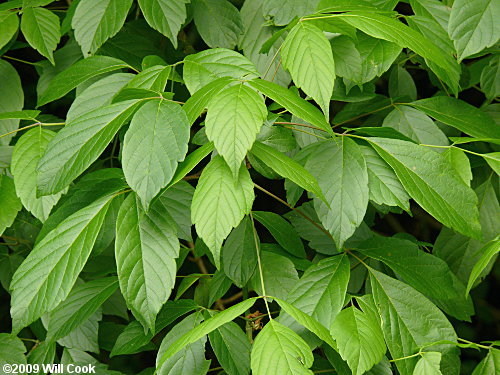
{"type": "Point", "coordinates": [95, 21]}
{"type": "Point", "coordinates": [432, 183]}
{"type": "Point", "coordinates": [487, 253]}
{"type": "Point", "coordinates": [279, 350]}
{"type": "Point", "coordinates": [81, 303]}
{"type": "Point", "coordinates": [79, 144]}
{"type": "Point", "coordinates": [10, 204]}
{"type": "Point", "coordinates": [46, 267]}
{"type": "Point", "coordinates": [27, 153]}
{"type": "Point", "coordinates": [41, 29]}
{"type": "Point", "coordinates": [232, 348]}
{"type": "Point", "coordinates": [146, 248]}
{"type": "Point", "coordinates": [155, 142]}
{"type": "Point", "coordinates": [340, 169]}
{"type": "Point", "coordinates": [472, 26]}
{"type": "Point", "coordinates": [166, 16]}
{"type": "Point", "coordinates": [220, 202]}
{"type": "Point", "coordinates": [218, 22]}
{"type": "Point", "coordinates": [359, 339]}
{"type": "Point", "coordinates": [306, 45]}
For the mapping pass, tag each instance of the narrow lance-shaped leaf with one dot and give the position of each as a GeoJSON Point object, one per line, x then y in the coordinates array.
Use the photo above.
{"type": "Point", "coordinates": [235, 116]}
{"type": "Point", "coordinates": [146, 247]}
{"type": "Point", "coordinates": [49, 272]}
{"type": "Point", "coordinates": [488, 252]}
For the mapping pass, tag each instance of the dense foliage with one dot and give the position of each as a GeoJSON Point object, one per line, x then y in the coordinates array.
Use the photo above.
{"type": "Point", "coordinates": [266, 186]}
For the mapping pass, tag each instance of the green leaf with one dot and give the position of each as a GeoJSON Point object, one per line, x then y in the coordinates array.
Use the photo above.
{"type": "Point", "coordinates": [220, 202]}
{"type": "Point", "coordinates": [285, 11]}
{"type": "Point", "coordinates": [428, 364]}
{"type": "Point", "coordinates": [487, 253]}
{"type": "Point", "coordinates": [460, 163]}
{"type": "Point", "coordinates": [190, 358]}
{"type": "Point", "coordinates": [10, 204]}
{"type": "Point", "coordinates": [43, 354]}
{"type": "Point", "coordinates": [218, 22]}
{"type": "Point", "coordinates": [287, 168]}
{"type": "Point", "coordinates": [490, 364]}
{"type": "Point", "coordinates": [340, 168]}
{"type": "Point", "coordinates": [79, 144]}
{"type": "Point", "coordinates": [401, 84]}
{"type": "Point", "coordinates": [293, 103]}
{"type": "Point", "coordinates": [383, 183]}
{"type": "Point", "coordinates": [205, 67]}
{"type": "Point", "coordinates": [490, 78]}
{"type": "Point", "coordinates": [239, 254]}
{"type": "Point", "coordinates": [11, 350]}
{"type": "Point", "coordinates": [279, 350]}
{"type": "Point", "coordinates": [44, 279]}
{"type": "Point", "coordinates": [235, 116]}
{"type": "Point", "coordinates": [232, 349]}
{"type": "Point", "coordinates": [155, 142]}
{"type": "Point", "coordinates": [432, 9]}
{"type": "Point", "coordinates": [166, 16]}
{"type": "Point", "coordinates": [97, 95]}
{"type": "Point", "coordinates": [9, 23]}
{"type": "Point", "coordinates": [493, 160]}
{"type": "Point", "coordinates": [321, 291]}
{"type": "Point", "coordinates": [146, 247]}
{"type": "Point", "coordinates": [41, 29]}
{"type": "Point", "coordinates": [204, 328]}
{"type": "Point", "coordinates": [359, 339]}
{"type": "Point", "coordinates": [279, 274]}
{"type": "Point", "coordinates": [282, 231]}
{"type": "Point", "coordinates": [460, 115]}
{"type": "Point", "coordinates": [347, 58]}
{"type": "Point", "coordinates": [472, 26]}
{"type": "Point", "coordinates": [153, 78]}
{"type": "Point", "coordinates": [387, 28]}
{"type": "Point", "coordinates": [27, 153]}
{"type": "Point", "coordinates": [95, 21]}
{"type": "Point", "coordinates": [199, 100]}
{"type": "Point", "coordinates": [81, 303]}
{"type": "Point", "coordinates": [78, 73]}
{"type": "Point", "coordinates": [12, 99]}
{"type": "Point", "coordinates": [432, 182]}
{"type": "Point", "coordinates": [23, 115]}
{"type": "Point", "coordinates": [409, 321]}
{"type": "Point", "coordinates": [178, 200]}
{"type": "Point", "coordinates": [84, 336]}
{"type": "Point", "coordinates": [415, 125]}
{"type": "Point", "coordinates": [307, 46]}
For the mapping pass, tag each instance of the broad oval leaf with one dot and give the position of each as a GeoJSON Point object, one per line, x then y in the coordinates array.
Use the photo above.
{"type": "Point", "coordinates": [10, 204]}
{"type": "Point", "coordinates": [11, 92]}
{"type": "Point", "coordinates": [44, 279]}
{"type": "Point", "coordinates": [155, 142]}
{"type": "Point", "coordinates": [235, 116]}
{"type": "Point", "coordinates": [146, 248]}
{"type": "Point", "coordinates": [220, 202]}
{"type": "Point", "coordinates": [41, 29]}
{"type": "Point", "coordinates": [12, 350]}
{"type": "Point", "coordinates": [428, 364]}
{"type": "Point", "coordinates": [9, 23]}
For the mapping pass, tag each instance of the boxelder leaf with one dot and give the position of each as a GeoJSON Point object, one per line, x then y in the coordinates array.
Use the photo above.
{"type": "Point", "coordinates": [473, 26]}
{"type": "Point", "coordinates": [359, 339]}
{"type": "Point", "coordinates": [41, 29]}
{"type": "Point", "coordinates": [239, 254]}
{"type": "Point", "coordinates": [279, 350]}
{"type": "Point", "coordinates": [10, 204]}
{"type": "Point", "coordinates": [490, 78]}
{"type": "Point", "coordinates": [9, 23]}
{"type": "Point", "coordinates": [79, 144]}
{"type": "Point", "coordinates": [205, 67]}
{"type": "Point", "coordinates": [282, 231]}
{"type": "Point", "coordinates": [78, 73]}
{"type": "Point", "coordinates": [166, 16]}
{"type": "Point", "coordinates": [487, 253]}
{"type": "Point", "coordinates": [22, 115]}
{"type": "Point", "coordinates": [428, 364]}
{"type": "Point", "coordinates": [27, 153]}
{"type": "Point", "coordinates": [285, 11]}
{"type": "Point", "coordinates": [12, 99]}
{"type": "Point", "coordinates": [12, 350]}
{"type": "Point", "coordinates": [287, 167]}
{"type": "Point", "coordinates": [307, 46]}
{"type": "Point", "coordinates": [48, 274]}
{"type": "Point", "coordinates": [409, 320]}
{"type": "Point", "coordinates": [293, 103]}
{"type": "Point", "coordinates": [155, 142]}
{"type": "Point", "coordinates": [146, 247]}
{"type": "Point", "coordinates": [460, 115]}
{"type": "Point", "coordinates": [95, 21]}
{"type": "Point", "coordinates": [83, 301]}
{"type": "Point", "coordinates": [490, 364]}
{"type": "Point", "coordinates": [235, 116]}
{"type": "Point", "coordinates": [203, 329]}
{"type": "Point", "coordinates": [220, 202]}
{"type": "Point", "coordinates": [433, 183]}
{"type": "Point", "coordinates": [340, 168]}
{"type": "Point", "coordinates": [43, 354]}
{"type": "Point", "coordinates": [232, 348]}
